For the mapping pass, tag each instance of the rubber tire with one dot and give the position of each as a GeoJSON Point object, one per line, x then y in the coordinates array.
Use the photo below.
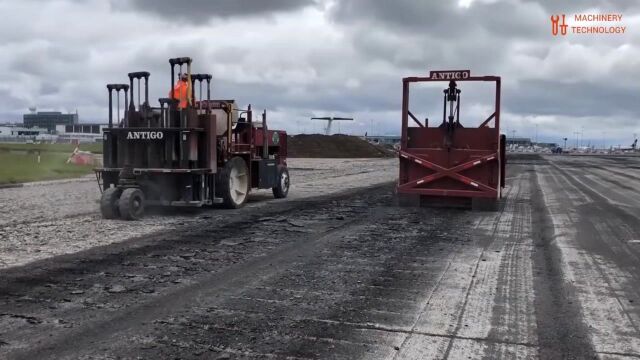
{"type": "Point", "coordinates": [278, 191]}
{"type": "Point", "coordinates": [109, 203]}
{"type": "Point", "coordinates": [223, 183]}
{"type": "Point", "coordinates": [127, 204]}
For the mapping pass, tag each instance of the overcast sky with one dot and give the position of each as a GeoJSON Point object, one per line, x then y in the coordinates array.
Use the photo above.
{"type": "Point", "coordinates": [303, 58]}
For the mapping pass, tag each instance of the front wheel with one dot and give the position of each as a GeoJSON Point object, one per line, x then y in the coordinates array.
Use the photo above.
{"type": "Point", "coordinates": [131, 204]}
{"type": "Point", "coordinates": [233, 183]}
{"type": "Point", "coordinates": [109, 203]}
{"type": "Point", "coordinates": [281, 190]}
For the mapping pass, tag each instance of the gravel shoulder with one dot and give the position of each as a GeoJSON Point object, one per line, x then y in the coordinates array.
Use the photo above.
{"type": "Point", "coordinates": [51, 218]}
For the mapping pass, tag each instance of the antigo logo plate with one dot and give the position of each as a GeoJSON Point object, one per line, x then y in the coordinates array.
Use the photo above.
{"type": "Point", "coordinates": [145, 135]}
{"type": "Point", "coordinates": [450, 74]}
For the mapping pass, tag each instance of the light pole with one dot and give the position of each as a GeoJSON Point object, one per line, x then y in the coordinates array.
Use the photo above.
{"type": "Point", "coordinates": [565, 143]}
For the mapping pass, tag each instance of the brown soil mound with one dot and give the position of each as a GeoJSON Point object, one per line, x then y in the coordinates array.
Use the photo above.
{"type": "Point", "coordinates": [334, 146]}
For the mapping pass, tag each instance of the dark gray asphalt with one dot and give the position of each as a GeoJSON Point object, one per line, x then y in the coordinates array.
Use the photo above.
{"type": "Point", "coordinates": [551, 275]}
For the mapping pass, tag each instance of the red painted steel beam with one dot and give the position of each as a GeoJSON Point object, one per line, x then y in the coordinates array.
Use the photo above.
{"type": "Point", "coordinates": [497, 107]}
{"type": "Point", "coordinates": [482, 188]}
{"type": "Point", "coordinates": [453, 172]}
{"type": "Point", "coordinates": [405, 115]}
{"type": "Point", "coordinates": [471, 78]}
{"type": "Point", "coordinates": [484, 123]}
{"type": "Point", "coordinates": [414, 118]}
{"type": "Point", "coordinates": [464, 166]}
{"type": "Point", "coordinates": [445, 192]}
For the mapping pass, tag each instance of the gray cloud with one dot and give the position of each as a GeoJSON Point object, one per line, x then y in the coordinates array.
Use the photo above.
{"type": "Point", "coordinates": [558, 82]}
{"type": "Point", "coordinates": [198, 11]}
{"type": "Point", "coordinates": [544, 97]}
{"type": "Point", "coordinates": [445, 19]}
{"type": "Point", "coordinates": [49, 89]}
{"type": "Point", "coordinates": [570, 6]}
{"type": "Point", "coordinates": [9, 102]}
{"type": "Point", "coordinates": [321, 57]}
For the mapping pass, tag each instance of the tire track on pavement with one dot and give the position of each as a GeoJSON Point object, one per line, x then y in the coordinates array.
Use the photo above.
{"type": "Point", "coordinates": [600, 270]}
{"type": "Point", "coordinates": [561, 330]}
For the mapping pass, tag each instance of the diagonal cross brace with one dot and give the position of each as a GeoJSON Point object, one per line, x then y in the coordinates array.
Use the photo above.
{"type": "Point", "coordinates": [453, 172]}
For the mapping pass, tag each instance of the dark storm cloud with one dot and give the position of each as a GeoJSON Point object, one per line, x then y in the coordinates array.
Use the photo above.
{"type": "Point", "coordinates": [199, 11]}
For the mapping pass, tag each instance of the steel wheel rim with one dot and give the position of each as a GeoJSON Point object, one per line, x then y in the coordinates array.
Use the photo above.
{"type": "Point", "coordinates": [284, 182]}
{"type": "Point", "coordinates": [136, 205]}
{"type": "Point", "coordinates": [238, 185]}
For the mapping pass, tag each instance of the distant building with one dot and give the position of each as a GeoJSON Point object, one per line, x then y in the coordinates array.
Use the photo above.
{"type": "Point", "coordinates": [519, 141]}
{"type": "Point", "coordinates": [19, 133]}
{"type": "Point", "coordinates": [81, 132]}
{"type": "Point", "coordinates": [49, 119]}
{"type": "Point", "coordinates": [547, 145]}
{"type": "Point", "coordinates": [384, 139]}
{"type": "Point", "coordinates": [5, 130]}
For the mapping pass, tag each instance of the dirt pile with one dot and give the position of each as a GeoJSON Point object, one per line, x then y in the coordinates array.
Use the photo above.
{"type": "Point", "coordinates": [333, 146]}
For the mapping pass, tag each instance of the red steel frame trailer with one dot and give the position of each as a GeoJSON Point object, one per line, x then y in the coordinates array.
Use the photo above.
{"type": "Point", "coordinates": [447, 163]}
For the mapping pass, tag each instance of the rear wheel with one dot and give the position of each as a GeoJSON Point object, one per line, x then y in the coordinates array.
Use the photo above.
{"type": "Point", "coordinates": [109, 203]}
{"type": "Point", "coordinates": [233, 183]}
{"type": "Point", "coordinates": [131, 204]}
{"type": "Point", "coordinates": [281, 190]}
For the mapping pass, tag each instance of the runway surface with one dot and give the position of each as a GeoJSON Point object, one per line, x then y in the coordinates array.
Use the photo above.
{"type": "Point", "coordinates": [553, 274]}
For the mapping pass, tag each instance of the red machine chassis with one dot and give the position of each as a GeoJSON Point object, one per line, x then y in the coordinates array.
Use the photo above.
{"type": "Point", "coordinates": [470, 164]}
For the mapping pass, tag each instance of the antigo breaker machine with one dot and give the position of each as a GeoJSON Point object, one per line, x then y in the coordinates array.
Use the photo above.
{"type": "Point", "coordinates": [447, 163]}
{"type": "Point", "coordinates": [209, 152]}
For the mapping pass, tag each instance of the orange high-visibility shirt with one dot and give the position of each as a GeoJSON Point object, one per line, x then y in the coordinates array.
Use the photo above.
{"type": "Point", "coordinates": [180, 92]}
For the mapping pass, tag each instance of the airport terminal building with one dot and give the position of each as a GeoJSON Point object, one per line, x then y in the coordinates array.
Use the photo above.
{"type": "Point", "coordinates": [81, 132]}
{"type": "Point", "coordinates": [49, 119]}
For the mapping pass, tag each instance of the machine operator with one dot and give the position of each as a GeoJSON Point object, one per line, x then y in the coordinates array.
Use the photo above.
{"type": "Point", "coordinates": [181, 91]}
